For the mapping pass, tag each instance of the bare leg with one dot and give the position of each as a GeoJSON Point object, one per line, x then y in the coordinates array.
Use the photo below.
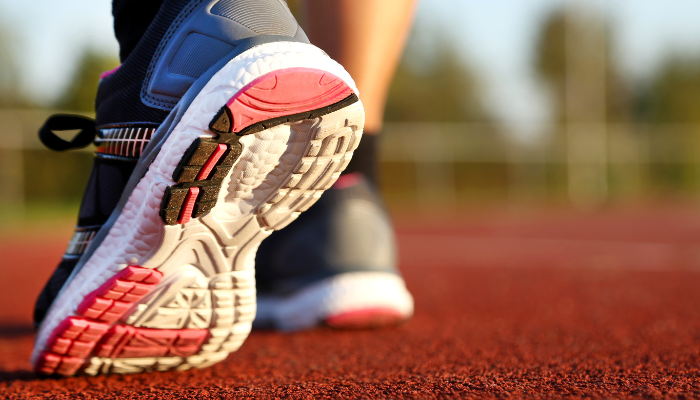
{"type": "Point", "coordinates": [367, 37]}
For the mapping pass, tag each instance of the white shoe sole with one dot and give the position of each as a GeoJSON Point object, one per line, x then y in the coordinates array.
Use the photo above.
{"type": "Point", "coordinates": [349, 300]}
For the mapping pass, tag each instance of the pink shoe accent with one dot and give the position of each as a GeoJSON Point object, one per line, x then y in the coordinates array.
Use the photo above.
{"type": "Point", "coordinates": [50, 364]}
{"type": "Point", "coordinates": [124, 341]}
{"type": "Point", "coordinates": [186, 213]}
{"type": "Point", "coordinates": [71, 342]}
{"type": "Point", "coordinates": [365, 318]}
{"type": "Point", "coordinates": [211, 162]}
{"type": "Point", "coordinates": [74, 339]}
{"type": "Point", "coordinates": [348, 180]}
{"type": "Point", "coordinates": [285, 92]}
{"type": "Point", "coordinates": [111, 300]}
{"type": "Point", "coordinates": [110, 72]}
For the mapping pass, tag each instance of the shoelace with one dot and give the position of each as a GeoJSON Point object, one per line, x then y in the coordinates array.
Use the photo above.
{"type": "Point", "coordinates": [67, 122]}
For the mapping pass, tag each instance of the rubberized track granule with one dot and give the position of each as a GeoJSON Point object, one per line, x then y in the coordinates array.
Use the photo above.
{"type": "Point", "coordinates": [597, 329]}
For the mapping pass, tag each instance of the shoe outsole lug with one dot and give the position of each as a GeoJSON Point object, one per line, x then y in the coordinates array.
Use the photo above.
{"type": "Point", "coordinates": [211, 161]}
{"type": "Point", "coordinates": [111, 300]}
{"type": "Point", "coordinates": [188, 205]}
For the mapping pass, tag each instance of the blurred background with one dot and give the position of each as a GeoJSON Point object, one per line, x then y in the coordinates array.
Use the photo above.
{"type": "Point", "coordinates": [573, 104]}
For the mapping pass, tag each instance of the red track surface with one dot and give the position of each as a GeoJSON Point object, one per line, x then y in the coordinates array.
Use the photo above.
{"type": "Point", "coordinates": [597, 305]}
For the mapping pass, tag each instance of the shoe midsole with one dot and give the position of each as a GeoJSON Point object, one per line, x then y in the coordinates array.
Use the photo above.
{"type": "Point", "coordinates": [336, 295]}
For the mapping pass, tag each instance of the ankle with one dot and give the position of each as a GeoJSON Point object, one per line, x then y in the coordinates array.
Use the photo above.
{"type": "Point", "coordinates": [364, 160]}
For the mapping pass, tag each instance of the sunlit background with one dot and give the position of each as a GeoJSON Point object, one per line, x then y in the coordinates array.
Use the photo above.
{"type": "Point", "coordinates": [580, 104]}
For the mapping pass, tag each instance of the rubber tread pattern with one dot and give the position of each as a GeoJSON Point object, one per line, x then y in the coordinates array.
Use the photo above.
{"type": "Point", "coordinates": [279, 95]}
{"type": "Point", "coordinates": [76, 337]}
{"type": "Point", "coordinates": [72, 342]}
{"type": "Point", "coordinates": [187, 209]}
{"type": "Point", "coordinates": [205, 154]}
{"type": "Point", "coordinates": [211, 162]}
{"type": "Point", "coordinates": [282, 93]}
{"type": "Point", "coordinates": [124, 341]}
{"type": "Point", "coordinates": [111, 300]}
{"type": "Point", "coordinates": [203, 167]}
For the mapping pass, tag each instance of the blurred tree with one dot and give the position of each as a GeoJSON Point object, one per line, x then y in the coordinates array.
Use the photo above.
{"type": "Point", "coordinates": [82, 89]}
{"type": "Point", "coordinates": [444, 90]}
{"type": "Point", "coordinates": [673, 95]}
{"type": "Point", "coordinates": [432, 82]}
{"type": "Point", "coordinates": [551, 64]}
{"type": "Point", "coordinates": [550, 58]}
{"type": "Point", "coordinates": [670, 104]}
{"type": "Point", "coordinates": [10, 94]}
{"type": "Point", "coordinates": [573, 57]}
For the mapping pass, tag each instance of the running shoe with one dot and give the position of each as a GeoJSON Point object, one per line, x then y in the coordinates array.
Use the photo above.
{"type": "Point", "coordinates": [221, 126]}
{"type": "Point", "coordinates": [334, 265]}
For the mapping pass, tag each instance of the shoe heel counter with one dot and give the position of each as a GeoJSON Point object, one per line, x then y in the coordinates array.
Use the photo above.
{"type": "Point", "coordinates": [206, 32]}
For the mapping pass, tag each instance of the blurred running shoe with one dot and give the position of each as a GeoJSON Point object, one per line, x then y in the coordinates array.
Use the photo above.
{"type": "Point", "coordinates": [220, 127]}
{"type": "Point", "coordinates": [334, 265]}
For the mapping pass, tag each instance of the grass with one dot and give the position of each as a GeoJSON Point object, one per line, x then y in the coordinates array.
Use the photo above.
{"type": "Point", "coordinates": [38, 218]}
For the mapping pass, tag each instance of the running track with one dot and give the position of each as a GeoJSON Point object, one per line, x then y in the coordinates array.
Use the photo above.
{"type": "Point", "coordinates": [528, 305]}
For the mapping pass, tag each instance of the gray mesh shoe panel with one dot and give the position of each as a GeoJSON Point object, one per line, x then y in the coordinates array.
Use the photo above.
{"type": "Point", "coordinates": [197, 54]}
{"type": "Point", "coordinates": [264, 17]}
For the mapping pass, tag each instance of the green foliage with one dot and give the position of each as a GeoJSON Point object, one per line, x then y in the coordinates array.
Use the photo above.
{"type": "Point", "coordinates": [550, 53]}
{"type": "Point", "coordinates": [82, 89]}
{"type": "Point", "coordinates": [551, 65]}
{"type": "Point", "coordinates": [673, 95]}
{"type": "Point", "coordinates": [434, 84]}
{"type": "Point", "coordinates": [55, 176]}
{"type": "Point", "coordinates": [10, 93]}
{"type": "Point", "coordinates": [443, 91]}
